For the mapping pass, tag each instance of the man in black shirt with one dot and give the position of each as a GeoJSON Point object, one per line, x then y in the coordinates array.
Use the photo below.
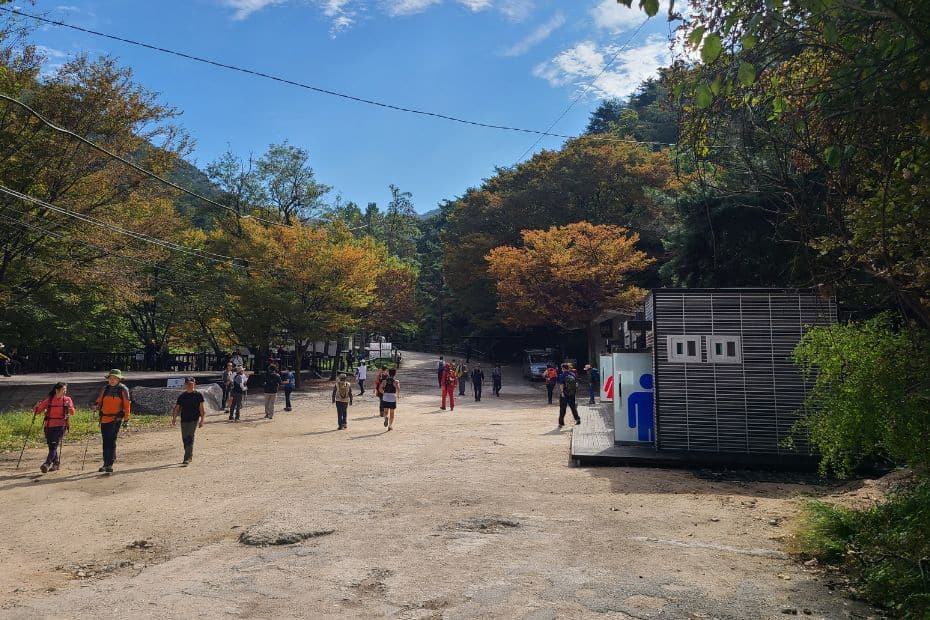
{"type": "Point", "coordinates": [271, 384]}
{"type": "Point", "coordinates": [190, 406]}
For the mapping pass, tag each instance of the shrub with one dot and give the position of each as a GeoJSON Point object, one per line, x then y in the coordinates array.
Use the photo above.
{"type": "Point", "coordinates": [871, 394]}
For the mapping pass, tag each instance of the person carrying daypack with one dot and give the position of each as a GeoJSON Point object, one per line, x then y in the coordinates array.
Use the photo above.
{"type": "Point", "coordinates": [342, 397]}
{"type": "Point", "coordinates": [57, 408]}
{"type": "Point", "coordinates": [449, 382]}
{"type": "Point", "coordinates": [113, 410]}
{"type": "Point", "coordinates": [271, 382]}
{"type": "Point", "coordinates": [568, 389]}
{"type": "Point", "coordinates": [390, 392]}
{"type": "Point", "coordinates": [240, 388]}
{"type": "Point", "coordinates": [550, 376]}
{"type": "Point", "coordinates": [496, 376]}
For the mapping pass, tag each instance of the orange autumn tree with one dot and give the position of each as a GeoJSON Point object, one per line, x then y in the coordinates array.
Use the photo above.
{"type": "Point", "coordinates": [567, 275]}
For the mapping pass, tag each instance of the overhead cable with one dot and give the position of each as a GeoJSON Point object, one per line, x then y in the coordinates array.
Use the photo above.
{"type": "Point", "coordinates": [131, 164]}
{"type": "Point", "coordinates": [324, 91]}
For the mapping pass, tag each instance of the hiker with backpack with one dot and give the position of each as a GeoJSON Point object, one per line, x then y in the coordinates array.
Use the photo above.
{"type": "Point", "coordinates": [361, 373]}
{"type": "Point", "coordinates": [113, 409]}
{"type": "Point", "coordinates": [463, 378]}
{"type": "Point", "coordinates": [568, 389]}
{"type": "Point", "coordinates": [594, 382]}
{"type": "Point", "coordinates": [289, 383]}
{"type": "Point", "coordinates": [389, 387]}
{"type": "Point", "coordinates": [450, 380]}
{"type": "Point", "coordinates": [550, 376]}
{"type": "Point", "coordinates": [57, 408]}
{"type": "Point", "coordinates": [496, 376]}
{"type": "Point", "coordinates": [190, 406]}
{"type": "Point", "coordinates": [240, 388]}
{"type": "Point", "coordinates": [342, 397]}
{"type": "Point", "coordinates": [271, 383]}
{"type": "Point", "coordinates": [477, 381]}
{"type": "Point", "coordinates": [379, 377]}
{"type": "Point", "coordinates": [228, 375]}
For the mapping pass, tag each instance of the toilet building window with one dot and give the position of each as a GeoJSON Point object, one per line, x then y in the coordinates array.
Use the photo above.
{"type": "Point", "coordinates": [724, 350]}
{"type": "Point", "coordinates": [684, 349]}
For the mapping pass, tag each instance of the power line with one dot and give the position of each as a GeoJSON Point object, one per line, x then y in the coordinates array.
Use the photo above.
{"type": "Point", "coordinates": [306, 86]}
{"type": "Point", "coordinates": [127, 162]}
{"type": "Point", "coordinates": [211, 256]}
{"type": "Point", "coordinates": [584, 91]}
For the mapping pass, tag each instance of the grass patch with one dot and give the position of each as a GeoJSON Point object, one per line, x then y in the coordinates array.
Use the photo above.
{"type": "Point", "coordinates": [886, 549]}
{"type": "Point", "coordinates": [15, 426]}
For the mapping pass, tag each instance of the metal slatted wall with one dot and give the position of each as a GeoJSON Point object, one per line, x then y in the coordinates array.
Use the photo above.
{"type": "Point", "coordinates": [747, 407]}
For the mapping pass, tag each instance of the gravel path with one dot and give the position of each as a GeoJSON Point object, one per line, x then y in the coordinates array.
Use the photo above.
{"type": "Point", "coordinates": [475, 513]}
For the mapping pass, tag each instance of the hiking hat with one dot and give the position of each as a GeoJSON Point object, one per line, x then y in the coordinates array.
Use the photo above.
{"type": "Point", "coordinates": [115, 372]}
{"type": "Point", "coordinates": [190, 380]}
{"type": "Point", "coordinates": [342, 375]}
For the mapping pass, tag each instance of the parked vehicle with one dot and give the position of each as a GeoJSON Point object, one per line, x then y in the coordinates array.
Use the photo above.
{"type": "Point", "coordinates": [535, 362]}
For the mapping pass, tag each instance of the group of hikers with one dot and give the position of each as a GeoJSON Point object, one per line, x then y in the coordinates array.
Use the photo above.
{"type": "Point", "coordinates": [453, 374]}
{"type": "Point", "coordinates": [113, 405]}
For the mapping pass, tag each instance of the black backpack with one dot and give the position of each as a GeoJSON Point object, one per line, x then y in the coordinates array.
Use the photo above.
{"type": "Point", "coordinates": [571, 384]}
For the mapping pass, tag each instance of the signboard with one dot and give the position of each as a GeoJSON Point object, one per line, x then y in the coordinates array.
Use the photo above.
{"type": "Point", "coordinates": [175, 381]}
{"type": "Point", "coordinates": [607, 378]}
{"type": "Point", "coordinates": [633, 398]}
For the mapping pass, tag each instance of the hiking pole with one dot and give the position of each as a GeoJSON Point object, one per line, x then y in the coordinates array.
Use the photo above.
{"type": "Point", "coordinates": [28, 435]}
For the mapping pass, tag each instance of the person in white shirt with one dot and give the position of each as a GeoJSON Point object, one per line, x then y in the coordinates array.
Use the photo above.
{"type": "Point", "coordinates": [361, 373]}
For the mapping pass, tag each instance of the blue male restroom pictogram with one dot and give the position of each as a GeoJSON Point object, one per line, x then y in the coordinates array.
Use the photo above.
{"type": "Point", "coordinates": [639, 410]}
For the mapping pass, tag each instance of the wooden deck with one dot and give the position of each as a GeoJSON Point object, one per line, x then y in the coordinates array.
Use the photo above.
{"type": "Point", "coordinates": [593, 444]}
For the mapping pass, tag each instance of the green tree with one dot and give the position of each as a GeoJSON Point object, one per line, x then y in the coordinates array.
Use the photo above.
{"type": "Point", "coordinates": [289, 183]}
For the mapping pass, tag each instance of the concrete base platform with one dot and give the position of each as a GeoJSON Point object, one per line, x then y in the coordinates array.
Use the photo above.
{"type": "Point", "coordinates": [593, 444]}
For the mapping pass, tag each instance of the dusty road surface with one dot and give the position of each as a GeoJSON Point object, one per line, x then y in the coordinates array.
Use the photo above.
{"type": "Point", "coordinates": [475, 513]}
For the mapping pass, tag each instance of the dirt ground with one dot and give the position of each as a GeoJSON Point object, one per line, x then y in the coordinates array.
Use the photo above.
{"type": "Point", "coordinates": [474, 513]}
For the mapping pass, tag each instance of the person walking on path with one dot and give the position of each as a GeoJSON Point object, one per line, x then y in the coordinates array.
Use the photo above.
{"type": "Point", "coordinates": [379, 377]}
{"type": "Point", "coordinates": [390, 392]}
{"type": "Point", "coordinates": [463, 378]}
{"type": "Point", "coordinates": [496, 380]}
{"type": "Point", "coordinates": [57, 409]}
{"type": "Point", "coordinates": [272, 382]}
{"type": "Point", "coordinates": [113, 411]}
{"type": "Point", "coordinates": [228, 375]}
{"type": "Point", "coordinates": [288, 382]}
{"type": "Point", "coordinates": [190, 406]}
{"type": "Point", "coordinates": [342, 397]}
{"type": "Point", "coordinates": [240, 388]}
{"type": "Point", "coordinates": [568, 389]}
{"type": "Point", "coordinates": [550, 376]}
{"type": "Point", "coordinates": [594, 382]}
{"type": "Point", "coordinates": [361, 373]}
{"type": "Point", "coordinates": [450, 380]}
{"type": "Point", "coordinates": [477, 381]}
{"type": "Point", "coordinates": [440, 367]}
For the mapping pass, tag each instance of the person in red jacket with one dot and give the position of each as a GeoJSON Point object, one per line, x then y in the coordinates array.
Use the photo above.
{"type": "Point", "coordinates": [449, 381]}
{"type": "Point", "coordinates": [57, 408]}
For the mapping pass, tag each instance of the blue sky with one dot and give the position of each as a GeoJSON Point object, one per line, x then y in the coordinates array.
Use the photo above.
{"type": "Point", "coordinates": [506, 62]}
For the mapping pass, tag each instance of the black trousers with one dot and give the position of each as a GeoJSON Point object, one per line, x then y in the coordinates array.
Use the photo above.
{"type": "Point", "coordinates": [342, 411]}
{"type": "Point", "coordinates": [549, 388]}
{"type": "Point", "coordinates": [497, 385]}
{"type": "Point", "coordinates": [477, 387]}
{"type": "Point", "coordinates": [227, 390]}
{"type": "Point", "coordinates": [109, 432]}
{"type": "Point", "coordinates": [566, 402]}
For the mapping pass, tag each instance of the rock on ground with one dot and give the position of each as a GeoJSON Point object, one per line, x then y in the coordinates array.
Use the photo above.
{"type": "Point", "coordinates": [160, 400]}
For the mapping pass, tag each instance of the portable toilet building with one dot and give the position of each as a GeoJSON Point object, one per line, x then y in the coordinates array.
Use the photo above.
{"type": "Point", "coordinates": [723, 376]}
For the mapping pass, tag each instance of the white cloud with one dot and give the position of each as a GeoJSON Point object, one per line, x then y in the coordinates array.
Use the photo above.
{"type": "Point", "coordinates": [536, 37]}
{"type": "Point", "coordinates": [614, 17]}
{"type": "Point", "coordinates": [408, 7]}
{"type": "Point", "coordinates": [476, 5]}
{"type": "Point", "coordinates": [586, 61]}
{"type": "Point", "coordinates": [244, 8]}
{"type": "Point", "coordinates": [516, 10]}
{"type": "Point", "coordinates": [340, 13]}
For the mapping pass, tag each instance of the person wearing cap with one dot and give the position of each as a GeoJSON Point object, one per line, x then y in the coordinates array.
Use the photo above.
{"type": "Point", "coordinates": [113, 411]}
{"type": "Point", "coordinates": [190, 406]}
{"type": "Point", "coordinates": [240, 388]}
{"type": "Point", "coordinates": [594, 382]}
{"type": "Point", "coordinates": [342, 397]}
